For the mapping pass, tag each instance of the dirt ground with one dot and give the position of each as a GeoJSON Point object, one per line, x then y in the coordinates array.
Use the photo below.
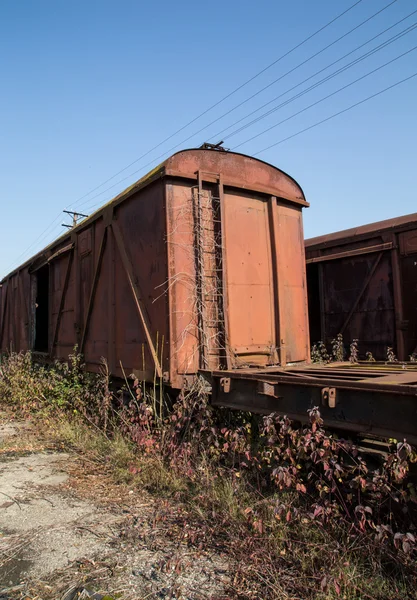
{"type": "Point", "coordinates": [64, 522]}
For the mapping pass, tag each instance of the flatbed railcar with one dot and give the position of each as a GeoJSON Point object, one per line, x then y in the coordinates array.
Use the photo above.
{"type": "Point", "coordinates": [199, 268]}
{"type": "Point", "coordinates": [362, 282]}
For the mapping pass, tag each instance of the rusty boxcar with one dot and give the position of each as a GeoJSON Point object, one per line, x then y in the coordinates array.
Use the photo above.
{"type": "Point", "coordinates": [362, 282]}
{"type": "Point", "coordinates": [198, 265]}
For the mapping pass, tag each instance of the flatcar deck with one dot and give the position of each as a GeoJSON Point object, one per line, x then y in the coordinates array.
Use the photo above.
{"type": "Point", "coordinates": [372, 398]}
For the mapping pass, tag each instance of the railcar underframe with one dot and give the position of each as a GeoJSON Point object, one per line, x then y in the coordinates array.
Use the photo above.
{"type": "Point", "coordinates": [378, 399]}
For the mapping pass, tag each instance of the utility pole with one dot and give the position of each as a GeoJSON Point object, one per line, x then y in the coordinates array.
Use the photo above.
{"type": "Point", "coordinates": [75, 217]}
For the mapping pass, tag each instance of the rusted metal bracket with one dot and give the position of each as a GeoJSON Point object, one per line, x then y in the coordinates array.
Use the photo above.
{"type": "Point", "coordinates": [279, 292]}
{"type": "Point", "coordinates": [226, 384]}
{"type": "Point", "coordinates": [329, 397]}
{"type": "Point", "coordinates": [398, 292]}
{"type": "Point", "coordinates": [402, 325]}
{"type": "Point", "coordinates": [350, 253]}
{"type": "Point", "coordinates": [63, 250]}
{"type": "Point", "coordinates": [15, 297]}
{"type": "Point", "coordinates": [198, 258]}
{"type": "Point", "coordinates": [108, 216]}
{"type": "Point", "coordinates": [62, 299]}
{"type": "Point", "coordinates": [136, 294]}
{"type": "Point", "coordinates": [268, 389]}
{"type": "Point", "coordinates": [224, 288]}
{"type": "Point", "coordinates": [77, 287]}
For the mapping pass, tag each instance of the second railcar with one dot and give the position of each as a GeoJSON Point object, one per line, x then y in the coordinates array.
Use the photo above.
{"type": "Point", "coordinates": [362, 282]}
{"type": "Point", "coordinates": [199, 265]}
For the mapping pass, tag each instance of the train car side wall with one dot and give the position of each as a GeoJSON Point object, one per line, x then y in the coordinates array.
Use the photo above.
{"type": "Point", "coordinates": [98, 291]}
{"type": "Point", "coordinates": [15, 323]}
{"type": "Point", "coordinates": [365, 287]}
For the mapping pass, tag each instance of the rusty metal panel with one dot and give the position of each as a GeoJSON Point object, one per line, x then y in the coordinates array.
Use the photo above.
{"type": "Point", "coordinates": [181, 281]}
{"type": "Point", "coordinates": [14, 324]}
{"type": "Point", "coordinates": [92, 295]}
{"type": "Point", "coordinates": [386, 313]}
{"type": "Point", "coordinates": [408, 242]}
{"type": "Point", "coordinates": [292, 285]}
{"type": "Point", "coordinates": [251, 310]}
{"type": "Point", "coordinates": [408, 267]}
{"type": "Point", "coordinates": [373, 321]}
{"type": "Point", "coordinates": [141, 222]}
{"type": "Point", "coordinates": [25, 290]}
{"type": "Point", "coordinates": [366, 232]}
{"type": "Point", "coordinates": [62, 302]}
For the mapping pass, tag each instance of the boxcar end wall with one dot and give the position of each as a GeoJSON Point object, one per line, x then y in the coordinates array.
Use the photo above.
{"type": "Point", "coordinates": [362, 283]}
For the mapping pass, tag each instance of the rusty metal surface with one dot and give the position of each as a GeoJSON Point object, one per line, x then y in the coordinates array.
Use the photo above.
{"type": "Point", "coordinates": [366, 231]}
{"type": "Point", "coordinates": [363, 282]}
{"type": "Point", "coordinates": [199, 264]}
{"type": "Point", "coordinates": [242, 172]}
{"type": "Point", "coordinates": [249, 279]}
{"type": "Point", "coordinates": [380, 402]}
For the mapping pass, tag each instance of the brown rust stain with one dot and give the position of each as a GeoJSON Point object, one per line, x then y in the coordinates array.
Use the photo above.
{"type": "Point", "coordinates": [374, 303]}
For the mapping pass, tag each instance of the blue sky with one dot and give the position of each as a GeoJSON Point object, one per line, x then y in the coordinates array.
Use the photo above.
{"type": "Point", "coordinates": [88, 87]}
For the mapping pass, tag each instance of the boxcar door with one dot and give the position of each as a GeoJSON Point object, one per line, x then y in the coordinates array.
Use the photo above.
{"type": "Point", "coordinates": [248, 279]}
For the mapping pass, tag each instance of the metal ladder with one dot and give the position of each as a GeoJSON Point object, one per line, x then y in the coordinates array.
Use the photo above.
{"type": "Point", "coordinates": [208, 250]}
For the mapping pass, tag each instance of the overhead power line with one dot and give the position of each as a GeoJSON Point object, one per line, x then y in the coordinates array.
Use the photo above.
{"type": "Point", "coordinates": [325, 97]}
{"type": "Point", "coordinates": [220, 133]}
{"type": "Point", "coordinates": [223, 99]}
{"type": "Point", "coordinates": [340, 112]}
{"type": "Point", "coordinates": [51, 227]}
{"type": "Point", "coordinates": [170, 150]}
{"type": "Point", "coordinates": [227, 96]}
{"type": "Point", "coordinates": [328, 96]}
{"type": "Point", "coordinates": [301, 64]}
{"type": "Point", "coordinates": [41, 237]}
{"type": "Point", "coordinates": [324, 80]}
{"type": "Point", "coordinates": [54, 224]}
